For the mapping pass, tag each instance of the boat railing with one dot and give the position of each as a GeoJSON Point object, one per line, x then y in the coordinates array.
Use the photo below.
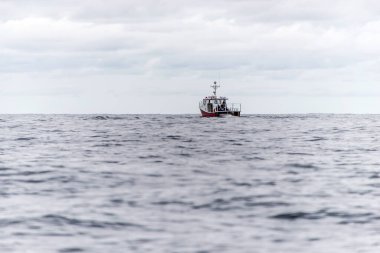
{"type": "Point", "coordinates": [231, 108]}
{"type": "Point", "coordinates": [235, 107]}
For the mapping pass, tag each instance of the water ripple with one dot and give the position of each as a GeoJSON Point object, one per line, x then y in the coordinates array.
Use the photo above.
{"type": "Point", "coordinates": [170, 183]}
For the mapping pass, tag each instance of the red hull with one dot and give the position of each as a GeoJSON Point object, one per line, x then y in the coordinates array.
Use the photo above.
{"type": "Point", "coordinates": [219, 114]}
{"type": "Point", "coordinates": [209, 114]}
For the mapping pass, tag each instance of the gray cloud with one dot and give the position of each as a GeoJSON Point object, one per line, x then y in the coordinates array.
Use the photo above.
{"type": "Point", "coordinates": [273, 48]}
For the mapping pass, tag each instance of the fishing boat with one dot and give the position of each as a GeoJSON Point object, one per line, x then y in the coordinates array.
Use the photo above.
{"type": "Point", "coordinates": [214, 106]}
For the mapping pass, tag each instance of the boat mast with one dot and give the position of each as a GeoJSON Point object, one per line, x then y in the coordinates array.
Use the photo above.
{"type": "Point", "coordinates": [215, 87]}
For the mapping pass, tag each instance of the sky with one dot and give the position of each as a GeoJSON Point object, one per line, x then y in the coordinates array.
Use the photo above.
{"type": "Point", "coordinates": [161, 56]}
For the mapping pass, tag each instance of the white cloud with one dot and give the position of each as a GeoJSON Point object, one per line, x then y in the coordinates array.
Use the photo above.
{"type": "Point", "coordinates": [160, 48]}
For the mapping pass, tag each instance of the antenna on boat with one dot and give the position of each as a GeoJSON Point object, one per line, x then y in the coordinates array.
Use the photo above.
{"type": "Point", "coordinates": [215, 87]}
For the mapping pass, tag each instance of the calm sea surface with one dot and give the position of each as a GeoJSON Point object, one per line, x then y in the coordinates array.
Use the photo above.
{"type": "Point", "coordinates": [168, 183]}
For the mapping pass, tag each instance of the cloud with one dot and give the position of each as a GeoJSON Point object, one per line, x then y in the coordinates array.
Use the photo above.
{"type": "Point", "coordinates": [274, 48]}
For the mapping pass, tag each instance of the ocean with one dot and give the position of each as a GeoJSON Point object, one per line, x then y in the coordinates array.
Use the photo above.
{"type": "Point", "coordinates": [171, 183]}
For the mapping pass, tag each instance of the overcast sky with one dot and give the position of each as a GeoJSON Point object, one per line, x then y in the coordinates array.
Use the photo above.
{"type": "Point", "coordinates": [161, 56]}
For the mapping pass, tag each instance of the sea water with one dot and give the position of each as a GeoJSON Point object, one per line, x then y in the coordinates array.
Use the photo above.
{"type": "Point", "coordinates": [170, 183]}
